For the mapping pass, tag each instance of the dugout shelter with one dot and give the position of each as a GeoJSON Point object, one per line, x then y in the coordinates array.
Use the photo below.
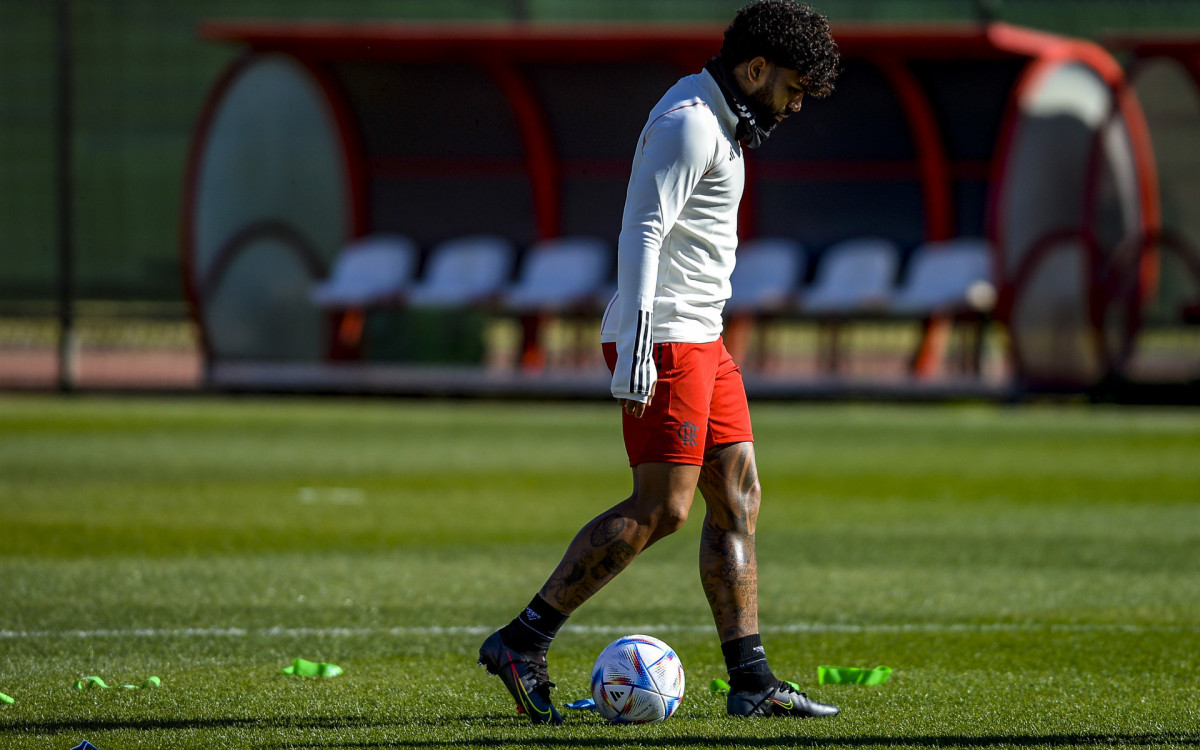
{"type": "Point", "coordinates": [1164, 351]}
{"type": "Point", "coordinates": [320, 132]}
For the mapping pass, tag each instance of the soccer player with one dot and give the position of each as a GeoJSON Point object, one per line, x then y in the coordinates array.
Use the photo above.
{"type": "Point", "coordinates": [685, 418]}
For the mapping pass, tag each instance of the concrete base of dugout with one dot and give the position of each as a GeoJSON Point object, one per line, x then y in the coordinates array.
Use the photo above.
{"type": "Point", "coordinates": [471, 382]}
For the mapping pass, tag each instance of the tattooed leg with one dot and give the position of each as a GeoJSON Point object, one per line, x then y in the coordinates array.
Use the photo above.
{"type": "Point", "coordinates": [728, 566]}
{"type": "Point", "coordinates": [662, 496]}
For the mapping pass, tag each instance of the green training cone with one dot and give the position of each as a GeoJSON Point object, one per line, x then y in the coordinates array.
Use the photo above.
{"type": "Point", "coordinates": [93, 681]}
{"type": "Point", "coordinates": [853, 675]}
{"type": "Point", "coordinates": [306, 668]}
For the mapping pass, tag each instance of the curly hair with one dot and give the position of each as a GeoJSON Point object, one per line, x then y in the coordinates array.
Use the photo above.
{"type": "Point", "coordinates": [789, 34]}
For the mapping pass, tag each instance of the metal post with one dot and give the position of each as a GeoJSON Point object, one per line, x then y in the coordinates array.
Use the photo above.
{"type": "Point", "coordinates": [63, 151]}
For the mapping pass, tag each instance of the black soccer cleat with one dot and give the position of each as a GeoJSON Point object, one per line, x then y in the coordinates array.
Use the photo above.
{"type": "Point", "coordinates": [525, 677]}
{"type": "Point", "coordinates": [783, 699]}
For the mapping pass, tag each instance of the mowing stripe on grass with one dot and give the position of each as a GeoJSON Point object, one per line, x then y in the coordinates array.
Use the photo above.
{"type": "Point", "coordinates": [476, 630]}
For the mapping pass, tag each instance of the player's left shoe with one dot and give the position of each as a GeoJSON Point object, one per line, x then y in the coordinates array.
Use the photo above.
{"type": "Point", "coordinates": [525, 676]}
{"type": "Point", "coordinates": [783, 699]}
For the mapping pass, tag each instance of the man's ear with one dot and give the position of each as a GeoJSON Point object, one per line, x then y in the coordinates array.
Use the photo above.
{"type": "Point", "coordinates": [756, 71]}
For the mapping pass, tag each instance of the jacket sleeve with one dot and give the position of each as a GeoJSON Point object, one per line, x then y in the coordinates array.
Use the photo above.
{"type": "Point", "coordinates": [677, 150]}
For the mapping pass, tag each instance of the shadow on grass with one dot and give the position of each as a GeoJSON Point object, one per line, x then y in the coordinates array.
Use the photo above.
{"type": "Point", "coordinates": [228, 722]}
{"type": "Point", "coordinates": [1050, 740]}
{"type": "Point", "coordinates": [539, 739]}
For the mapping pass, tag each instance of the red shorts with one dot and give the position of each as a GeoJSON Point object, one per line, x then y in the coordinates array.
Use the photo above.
{"type": "Point", "coordinates": [699, 402]}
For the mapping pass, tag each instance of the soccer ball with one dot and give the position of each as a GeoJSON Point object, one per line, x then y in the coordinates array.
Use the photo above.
{"type": "Point", "coordinates": [637, 679]}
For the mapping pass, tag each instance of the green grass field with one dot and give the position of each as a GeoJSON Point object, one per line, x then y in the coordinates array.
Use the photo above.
{"type": "Point", "coordinates": [1032, 574]}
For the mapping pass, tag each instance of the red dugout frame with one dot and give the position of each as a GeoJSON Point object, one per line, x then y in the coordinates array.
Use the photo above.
{"type": "Point", "coordinates": [504, 51]}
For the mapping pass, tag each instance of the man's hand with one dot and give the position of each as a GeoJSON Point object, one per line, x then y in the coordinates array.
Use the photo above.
{"type": "Point", "coordinates": [637, 408]}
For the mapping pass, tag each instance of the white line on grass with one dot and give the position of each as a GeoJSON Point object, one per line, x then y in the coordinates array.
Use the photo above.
{"type": "Point", "coordinates": [477, 630]}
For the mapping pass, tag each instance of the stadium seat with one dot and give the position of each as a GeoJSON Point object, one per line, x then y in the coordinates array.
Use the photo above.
{"type": "Point", "coordinates": [946, 277]}
{"type": "Point", "coordinates": [765, 276]}
{"type": "Point", "coordinates": [464, 271]}
{"type": "Point", "coordinates": [853, 277]}
{"type": "Point", "coordinates": [369, 271]}
{"type": "Point", "coordinates": [763, 280]}
{"type": "Point", "coordinates": [948, 286]}
{"type": "Point", "coordinates": [559, 274]}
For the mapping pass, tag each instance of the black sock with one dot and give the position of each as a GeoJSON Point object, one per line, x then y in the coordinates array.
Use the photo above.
{"type": "Point", "coordinates": [746, 661]}
{"type": "Point", "coordinates": [534, 629]}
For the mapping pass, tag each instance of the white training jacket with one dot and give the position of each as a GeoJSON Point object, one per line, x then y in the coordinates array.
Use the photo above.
{"type": "Point", "coordinates": [678, 233]}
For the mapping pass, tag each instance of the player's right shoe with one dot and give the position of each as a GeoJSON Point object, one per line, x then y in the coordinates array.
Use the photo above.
{"type": "Point", "coordinates": [783, 699]}
{"type": "Point", "coordinates": [525, 677]}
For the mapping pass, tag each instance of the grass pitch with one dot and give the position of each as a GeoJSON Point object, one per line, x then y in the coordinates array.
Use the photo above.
{"type": "Point", "coordinates": [1032, 575]}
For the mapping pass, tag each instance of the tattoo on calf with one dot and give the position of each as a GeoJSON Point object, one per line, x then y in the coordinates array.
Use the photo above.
{"type": "Point", "coordinates": [593, 558]}
{"type": "Point", "coordinates": [619, 554]}
{"type": "Point", "coordinates": [729, 574]}
{"type": "Point", "coordinates": [729, 481]}
{"type": "Point", "coordinates": [578, 570]}
{"type": "Point", "coordinates": [563, 584]}
{"type": "Point", "coordinates": [607, 529]}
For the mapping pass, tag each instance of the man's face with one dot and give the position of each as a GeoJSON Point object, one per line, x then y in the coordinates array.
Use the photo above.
{"type": "Point", "coordinates": [778, 94]}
